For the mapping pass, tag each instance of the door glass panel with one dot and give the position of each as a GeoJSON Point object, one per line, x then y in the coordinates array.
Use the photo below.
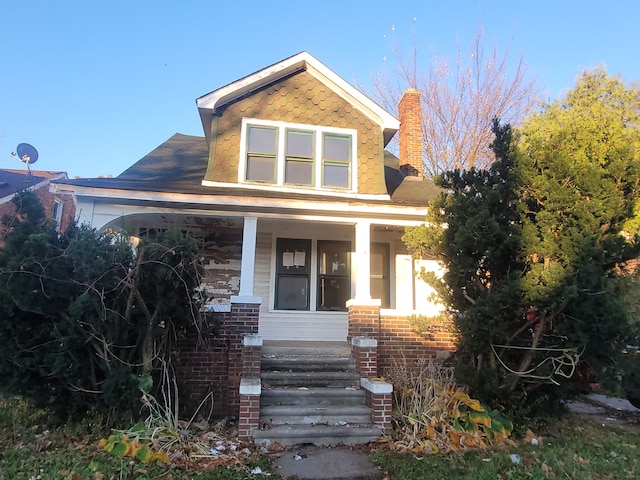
{"type": "Point", "coordinates": [334, 275]}
{"type": "Point", "coordinates": [292, 274]}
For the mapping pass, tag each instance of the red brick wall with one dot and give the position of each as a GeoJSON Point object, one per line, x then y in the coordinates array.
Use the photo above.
{"type": "Point", "coordinates": [397, 340]}
{"type": "Point", "coordinates": [47, 199]}
{"type": "Point", "coordinates": [213, 363]}
{"type": "Point", "coordinates": [364, 321]}
{"type": "Point", "coordinates": [381, 405]}
{"type": "Point", "coordinates": [202, 368]}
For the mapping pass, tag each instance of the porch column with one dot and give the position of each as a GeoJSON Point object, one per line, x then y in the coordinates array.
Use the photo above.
{"type": "Point", "coordinates": [362, 261]}
{"type": "Point", "coordinates": [248, 262]}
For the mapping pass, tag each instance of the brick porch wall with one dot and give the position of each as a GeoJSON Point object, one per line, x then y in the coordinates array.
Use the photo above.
{"type": "Point", "coordinates": [202, 368]}
{"type": "Point", "coordinates": [397, 341]}
{"type": "Point", "coordinates": [214, 363]}
{"type": "Point", "coordinates": [395, 336]}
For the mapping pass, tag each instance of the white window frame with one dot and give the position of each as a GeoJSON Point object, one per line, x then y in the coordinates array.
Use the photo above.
{"type": "Point", "coordinates": [56, 213]}
{"type": "Point", "coordinates": [318, 132]}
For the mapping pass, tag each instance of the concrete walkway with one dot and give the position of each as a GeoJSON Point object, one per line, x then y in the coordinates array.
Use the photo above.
{"type": "Point", "coordinates": [314, 463]}
{"type": "Point", "coordinates": [341, 463]}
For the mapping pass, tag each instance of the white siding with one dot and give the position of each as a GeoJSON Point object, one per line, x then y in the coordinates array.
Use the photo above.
{"type": "Point", "coordinates": [412, 293]}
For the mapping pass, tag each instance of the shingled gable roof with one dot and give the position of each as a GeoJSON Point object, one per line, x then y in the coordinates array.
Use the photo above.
{"type": "Point", "coordinates": [178, 166]}
{"type": "Point", "coordinates": [12, 181]}
{"type": "Point", "coordinates": [207, 104]}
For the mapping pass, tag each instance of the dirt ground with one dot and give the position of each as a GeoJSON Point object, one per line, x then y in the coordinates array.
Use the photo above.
{"type": "Point", "coordinates": [608, 411]}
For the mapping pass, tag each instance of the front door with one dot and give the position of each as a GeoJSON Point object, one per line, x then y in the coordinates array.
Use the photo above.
{"type": "Point", "coordinates": [301, 285]}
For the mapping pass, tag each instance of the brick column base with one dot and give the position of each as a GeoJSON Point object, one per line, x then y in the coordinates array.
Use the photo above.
{"type": "Point", "coordinates": [251, 356]}
{"type": "Point", "coordinates": [364, 319]}
{"type": "Point", "coordinates": [249, 418]}
{"type": "Point", "coordinates": [379, 398]}
{"type": "Point", "coordinates": [365, 352]}
{"type": "Point", "coordinates": [243, 320]}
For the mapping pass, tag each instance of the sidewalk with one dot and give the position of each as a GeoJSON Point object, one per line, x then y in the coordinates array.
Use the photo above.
{"type": "Point", "coordinates": [621, 404]}
{"type": "Point", "coordinates": [314, 463]}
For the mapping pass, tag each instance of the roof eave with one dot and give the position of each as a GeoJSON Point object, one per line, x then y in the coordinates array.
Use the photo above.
{"type": "Point", "coordinates": [208, 103]}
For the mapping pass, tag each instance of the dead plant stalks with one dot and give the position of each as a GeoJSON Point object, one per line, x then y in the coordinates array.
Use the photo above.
{"type": "Point", "coordinates": [434, 415]}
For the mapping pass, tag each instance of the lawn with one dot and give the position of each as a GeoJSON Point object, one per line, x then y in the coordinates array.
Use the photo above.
{"type": "Point", "coordinates": [32, 448]}
{"type": "Point", "coordinates": [574, 447]}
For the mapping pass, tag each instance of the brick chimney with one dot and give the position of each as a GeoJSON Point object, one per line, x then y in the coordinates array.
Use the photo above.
{"type": "Point", "coordinates": [410, 116]}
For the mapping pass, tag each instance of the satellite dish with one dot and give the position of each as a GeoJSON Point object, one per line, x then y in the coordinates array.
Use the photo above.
{"type": "Point", "coordinates": [27, 154]}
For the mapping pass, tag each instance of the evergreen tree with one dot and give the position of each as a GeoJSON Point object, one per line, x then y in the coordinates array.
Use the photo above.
{"type": "Point", "coordinates": [531, 246]}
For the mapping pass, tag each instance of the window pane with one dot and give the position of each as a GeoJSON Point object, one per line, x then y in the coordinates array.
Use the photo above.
{"type": "Point", "coordinates": [299, 144]}
{"type": "Point", "coordinates": [262, 140]}
{"type": "Point", "coordinates": [292, 293]}
{"type": "Point", "coordinates": [336, 147]}
{"type": "Point", "coordinates": [261, 169]}
{"type": "Point", "coordinates": [333, 259]}
{"type": "Point", "coordinates": [336, 175]}
{"type": "Point", "coordinates": [334, 293]}
{"type": "Point", "coordinates": [300, 173]}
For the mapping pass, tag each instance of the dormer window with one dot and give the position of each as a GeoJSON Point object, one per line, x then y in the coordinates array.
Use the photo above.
{"type": "Point", "coordinates": [262, 147]}
{"type": "Point", "coordinates": [298, 156]}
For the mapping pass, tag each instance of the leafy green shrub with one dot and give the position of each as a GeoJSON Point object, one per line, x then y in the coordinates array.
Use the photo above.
{"type": "Point", "coordinates": [85, 320]}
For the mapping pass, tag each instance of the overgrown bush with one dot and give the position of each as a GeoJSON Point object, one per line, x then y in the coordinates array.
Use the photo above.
{"type": "Point", "coordinates": [85, 320]}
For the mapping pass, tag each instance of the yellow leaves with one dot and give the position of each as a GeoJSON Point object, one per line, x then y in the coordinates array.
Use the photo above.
{"type": "Point", "coordinates": [463, 397]}
{"type": "Point", "coordinates": [120, 446]}
{"type": "Point", "coordinates": [480, 418]}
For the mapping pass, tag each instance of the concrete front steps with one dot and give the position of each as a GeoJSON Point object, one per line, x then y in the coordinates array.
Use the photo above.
{"type": "Point", "coordinates": [310, 394]}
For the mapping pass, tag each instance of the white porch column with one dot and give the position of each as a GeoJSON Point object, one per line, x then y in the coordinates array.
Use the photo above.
{"type": "Point", "coordinates": [248, 263]}
{"type": "Point", "coordinates": [362, 261]}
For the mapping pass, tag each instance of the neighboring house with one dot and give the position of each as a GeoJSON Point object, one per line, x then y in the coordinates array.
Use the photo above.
{"type": "Point", "coordinates": [298, 207]}
{"type": "Point", "coordinates": [58, 207]}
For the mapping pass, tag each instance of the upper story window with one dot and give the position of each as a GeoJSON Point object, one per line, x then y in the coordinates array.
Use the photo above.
{"type": "Point", "coordinates": [284, 154]}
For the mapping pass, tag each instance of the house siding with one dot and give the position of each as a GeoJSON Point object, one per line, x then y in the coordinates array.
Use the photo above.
{"type": "Point", "coordinates": [302, 99]}
{"type": "Point", "coordinates": [222, 256]}
{"type": "Point", "coordinates": [47, 199]}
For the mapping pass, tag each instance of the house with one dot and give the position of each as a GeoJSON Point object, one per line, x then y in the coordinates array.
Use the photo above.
{"type": "Point", "coordinates": [58, 207]}
{"type": "Point", "coordinates": [300, 212]}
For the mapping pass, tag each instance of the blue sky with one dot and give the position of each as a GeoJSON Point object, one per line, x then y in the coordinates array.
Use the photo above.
{"type": "Point", "coordinates": [96, 85]}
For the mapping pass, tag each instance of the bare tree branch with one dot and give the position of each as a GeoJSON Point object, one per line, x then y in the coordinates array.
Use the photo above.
{"type": "Point", "coordinates": [460, 99]}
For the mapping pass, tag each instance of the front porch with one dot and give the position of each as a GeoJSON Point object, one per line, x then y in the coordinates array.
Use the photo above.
{"type": "Point", "coordinates": [228, 364]}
